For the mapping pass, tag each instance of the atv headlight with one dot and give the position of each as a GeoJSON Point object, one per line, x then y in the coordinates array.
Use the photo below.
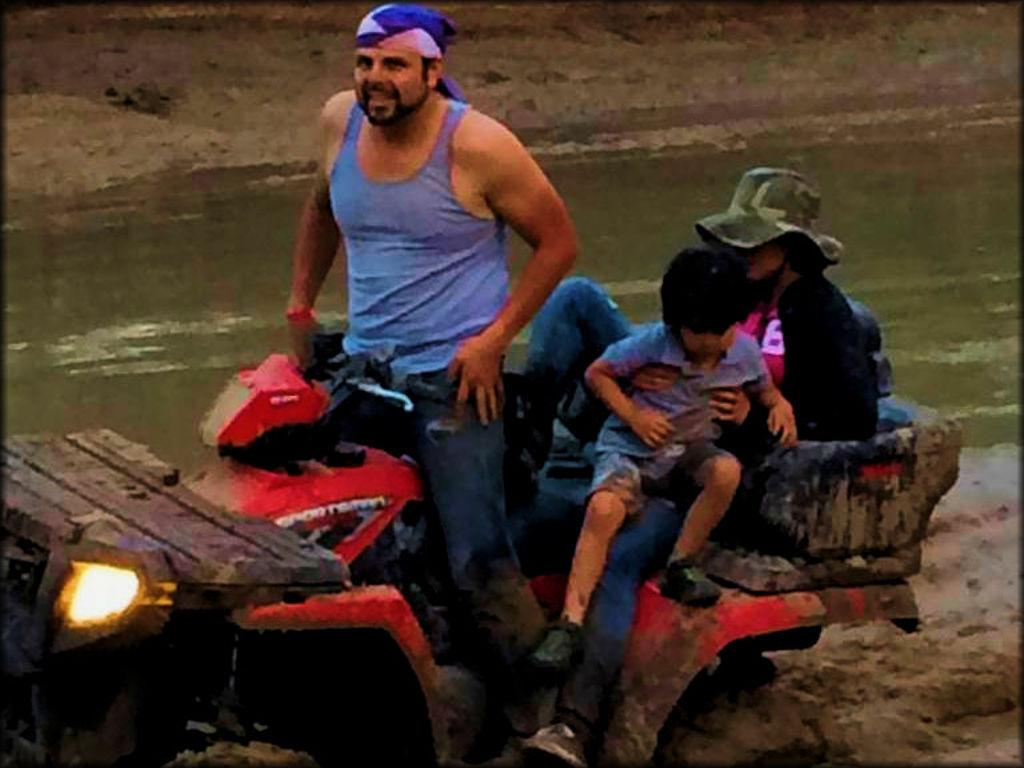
{"type": "Point", "coordinates": [97, 593]}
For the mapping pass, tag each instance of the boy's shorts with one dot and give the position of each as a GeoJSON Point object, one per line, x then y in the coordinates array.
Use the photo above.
{"type": "Point", "coordinates": [633, 479]}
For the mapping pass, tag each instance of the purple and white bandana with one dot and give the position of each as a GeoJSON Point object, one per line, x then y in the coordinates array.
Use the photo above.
{"type": "Point", "coordinates": [413, 28]}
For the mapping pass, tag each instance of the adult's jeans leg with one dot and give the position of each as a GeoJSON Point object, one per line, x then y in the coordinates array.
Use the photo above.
{"type": "Point", "coordinates": [575, 325]}
{"type": "Point", "coordinates": [640, 549]}
{"type": "Point", "coordinates": [462, 466]}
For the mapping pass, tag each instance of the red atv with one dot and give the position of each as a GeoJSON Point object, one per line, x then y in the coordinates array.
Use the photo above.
{"type": "Point", "coordinates": [300, 598]}
{"type": "Point", "coordinates": [840, 530]}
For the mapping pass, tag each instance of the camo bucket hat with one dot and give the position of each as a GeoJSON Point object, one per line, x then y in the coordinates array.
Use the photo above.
{"type": "Point", "coordinates": [767, 203]}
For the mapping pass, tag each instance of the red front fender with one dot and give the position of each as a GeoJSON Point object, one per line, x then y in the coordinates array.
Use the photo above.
{"type": "Point", "coordinates": [367, 607]}
{"type": "Point", "coordinates": [671, 643]}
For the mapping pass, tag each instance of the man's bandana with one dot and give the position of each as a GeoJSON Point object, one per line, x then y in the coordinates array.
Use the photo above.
{"type": "Point", "coordinates": [413, 28]}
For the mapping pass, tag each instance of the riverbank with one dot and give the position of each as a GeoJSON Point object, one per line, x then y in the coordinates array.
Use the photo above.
{"type": "Point", "coordinates": [99, 96]}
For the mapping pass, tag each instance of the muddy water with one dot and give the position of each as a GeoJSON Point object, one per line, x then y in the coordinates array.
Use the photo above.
{"type": "Point", "coordinates": [132, 316]}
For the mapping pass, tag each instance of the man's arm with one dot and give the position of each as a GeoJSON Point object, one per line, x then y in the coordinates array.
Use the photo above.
{"type": "Point", "coordinates": [515, 189]}
{"type": "Point", "coordinates": [316, 243]}
{"type": "Point", "coordinates": [317, 235]}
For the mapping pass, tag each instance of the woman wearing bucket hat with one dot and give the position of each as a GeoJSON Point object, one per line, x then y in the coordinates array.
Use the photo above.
{"type": "Point", "coordinates": [809, 333]}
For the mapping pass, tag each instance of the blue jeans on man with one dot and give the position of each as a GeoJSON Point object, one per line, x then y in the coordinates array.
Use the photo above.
{"type": "Point", "coordinates": [462, 470]}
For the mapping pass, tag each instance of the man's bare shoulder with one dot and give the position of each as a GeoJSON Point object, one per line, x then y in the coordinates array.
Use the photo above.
{"type": "Point", "coordinates": [480, 137]}
{"type": "Point", "coordinates": [335, 112]}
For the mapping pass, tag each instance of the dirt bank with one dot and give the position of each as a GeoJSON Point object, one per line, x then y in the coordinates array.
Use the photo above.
{"type": "Point", "coordinates": [97, 95]}
{"type": "Point", "coordinates": [949, 693]}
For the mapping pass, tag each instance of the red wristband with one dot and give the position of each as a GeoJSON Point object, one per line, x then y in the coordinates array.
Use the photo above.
{"type": "Point", "coordinates": [297, 315]}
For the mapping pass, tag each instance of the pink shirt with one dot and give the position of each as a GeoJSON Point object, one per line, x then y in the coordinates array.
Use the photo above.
{"type": "Point", "coordinates": [764, 325]}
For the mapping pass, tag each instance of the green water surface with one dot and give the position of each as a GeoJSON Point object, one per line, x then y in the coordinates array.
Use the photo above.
{"type": "Point", "coordinates": [134, 316]}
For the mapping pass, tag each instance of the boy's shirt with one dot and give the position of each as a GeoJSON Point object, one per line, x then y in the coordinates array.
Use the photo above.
{"type": "Point", "coordinates": [687, 402]}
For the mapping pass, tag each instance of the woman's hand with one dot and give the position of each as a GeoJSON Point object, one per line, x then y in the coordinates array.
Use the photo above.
{"type": "Point", "coordinates": [782, 423]}
{"type": "Point", "coordinates": [301, 332]}
{"type": "Point", "coordinates": [730, 404]}
{"type": "Point", "coordinates": [654, 377]}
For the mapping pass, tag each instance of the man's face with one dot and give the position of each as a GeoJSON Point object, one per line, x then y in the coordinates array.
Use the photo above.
{"type": "Point", "coordinates": [392, 83]}
{"type": "Point", "coordinates": [707, 348]}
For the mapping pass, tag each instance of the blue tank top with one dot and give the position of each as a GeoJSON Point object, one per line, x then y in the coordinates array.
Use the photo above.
{"type": "Point", "coordinates": [423, 273]}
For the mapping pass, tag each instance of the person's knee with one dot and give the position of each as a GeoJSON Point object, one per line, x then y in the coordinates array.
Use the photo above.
{"type": "Point", "coordinates": [583, 293]}
{"type": "Point", "coordinates": [578, 285]}
{"type": "Point", "coordinates": [480, 565]}
{"type": "Point", "coordinates": [568, 293]}
{"type": "Point", "coordinates": [605, 514]}
{"type": "Point", "coordinates": [722, 473]}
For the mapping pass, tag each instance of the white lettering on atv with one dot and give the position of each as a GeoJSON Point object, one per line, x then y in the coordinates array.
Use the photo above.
{"type": "Point", "coordinates": [367, 504]}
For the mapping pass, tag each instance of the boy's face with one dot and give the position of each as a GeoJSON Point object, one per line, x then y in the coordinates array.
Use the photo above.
{"type": "Point", "coordinates": [707, 348]}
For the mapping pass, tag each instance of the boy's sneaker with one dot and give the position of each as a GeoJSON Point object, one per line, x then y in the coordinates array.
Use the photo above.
{"type": "Point", "coordinates": [687, 584]}
{"type": "Point", "coordinates": [555, 743]}
{"type": "Point", "coordinates": [558, 648]}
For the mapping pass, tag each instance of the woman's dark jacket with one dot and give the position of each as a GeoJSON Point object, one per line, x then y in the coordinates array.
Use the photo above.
{"type": "Point", "coordinates": [828, 378]}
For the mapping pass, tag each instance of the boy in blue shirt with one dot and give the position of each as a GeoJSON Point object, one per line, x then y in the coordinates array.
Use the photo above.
{"type": "Point", "coordinates": [654, 437]}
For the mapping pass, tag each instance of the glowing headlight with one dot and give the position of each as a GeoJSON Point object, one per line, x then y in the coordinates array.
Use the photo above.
{"type": "Point", "coordinates": [98, 592]}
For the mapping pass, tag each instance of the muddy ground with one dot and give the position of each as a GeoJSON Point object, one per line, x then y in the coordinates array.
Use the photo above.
{"type": "Point", "coordinates": [98, 97]}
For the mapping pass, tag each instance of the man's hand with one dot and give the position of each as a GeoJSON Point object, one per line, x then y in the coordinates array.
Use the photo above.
{"type": "Point", "coordinates": [782, 423]}
{"type": "Point", "coordinates": [651, 426]}
{"type": "Point", "coordinates": [477, 368]}
{"type": "Point", "coordinates": [655, 377]}
{"type": "Point", "coordinates": [301, 333]}
{"type": "Point", "coordinates": [730, 404]}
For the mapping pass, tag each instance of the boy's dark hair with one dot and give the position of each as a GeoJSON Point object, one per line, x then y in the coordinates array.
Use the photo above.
{"type": "Point", "coordinates": [704, 290]}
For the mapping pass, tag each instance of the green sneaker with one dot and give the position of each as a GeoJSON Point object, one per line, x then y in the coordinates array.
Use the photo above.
{"type": "Point", "coordinates": [687, 584]}
{"type": "Point", "coordinates": [558, 648]}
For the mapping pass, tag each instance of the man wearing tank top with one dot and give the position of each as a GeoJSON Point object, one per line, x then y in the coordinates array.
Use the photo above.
{"type": "Point", "coordinates": [418, 188]}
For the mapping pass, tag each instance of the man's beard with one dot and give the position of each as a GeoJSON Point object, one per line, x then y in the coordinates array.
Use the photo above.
{"type": "Point", "coordinates": [398, 113]}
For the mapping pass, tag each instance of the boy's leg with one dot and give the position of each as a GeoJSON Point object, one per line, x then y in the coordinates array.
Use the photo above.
{"type": "Point", "coordinates": [719, 476]}
{"type": "Point", "coordinates": [614, 493]}
{"type": "Point", "coordinates": [605, 515]}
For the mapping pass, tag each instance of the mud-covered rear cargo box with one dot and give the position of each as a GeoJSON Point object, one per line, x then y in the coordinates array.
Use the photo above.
{"type": "Point", "coordinates": [838, 513]}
